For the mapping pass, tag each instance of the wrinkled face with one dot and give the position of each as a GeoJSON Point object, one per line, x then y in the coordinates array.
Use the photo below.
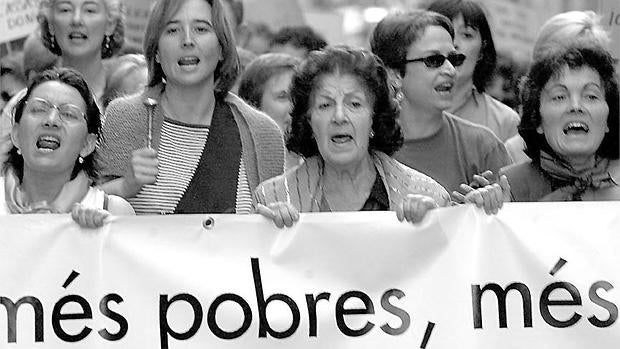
{"type": "Point", "coordinates": [425, 87]}
{"type": "Point", "coordinates": [341, 119]}
{"type": "Point", "coordinates": [52, 132]}
{"type": "Point", "coordinates": [574, 112]}
{"type": "Point", "coordinates": [79, 26]}
{"type": "Point", "coordinates": [188, 48]}
{"type": "Point", "coordinates": [468, 41]}
{"type": "Point", "coordinates": [276, 100]}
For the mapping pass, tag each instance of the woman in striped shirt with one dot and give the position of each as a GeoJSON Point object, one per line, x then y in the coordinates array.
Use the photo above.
{"type": "Point", "coordinates": [187, 145]}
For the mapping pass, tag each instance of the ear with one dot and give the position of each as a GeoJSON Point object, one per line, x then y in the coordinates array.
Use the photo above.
{"type": "Point", "coordinates": [540, 130]}
{"type": "Point", "coordinates": [15, 135]}
{"type": "Point", "coordinates": [89, 145]}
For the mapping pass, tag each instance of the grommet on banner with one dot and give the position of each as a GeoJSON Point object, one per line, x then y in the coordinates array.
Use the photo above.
{"type": "Point", "coordinates": [209, 222]}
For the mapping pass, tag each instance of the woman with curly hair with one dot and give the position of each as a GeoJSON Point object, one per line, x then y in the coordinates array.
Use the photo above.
{"type": "Point", "coordinates": [570, 127]}
{"type": "Point", "coordinates": [344, 126]}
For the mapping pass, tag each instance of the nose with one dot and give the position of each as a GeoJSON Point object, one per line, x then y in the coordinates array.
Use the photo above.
{"type": "Point", "coordinates": [339, 116]}
{"type": "Point", "coordinates": [448, 69]}
{"type": "Point", "coordinates": [575, 104]}
{"type": "Point", "coordinates": [188, 39]}
{"type": "Point", "coordinates": [53, 118]}
{"type": "Point", "coordinates": [77, 16]}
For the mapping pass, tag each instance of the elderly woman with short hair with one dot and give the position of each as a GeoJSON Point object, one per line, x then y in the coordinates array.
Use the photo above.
{"type": "Point", "coordinates": [570, 127]}
{"type": "Point", "coordinates": [344, 125]}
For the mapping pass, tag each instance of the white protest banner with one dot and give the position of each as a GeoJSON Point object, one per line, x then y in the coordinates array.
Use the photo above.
{"type": "Point", "coordinates": [535, 276]}
{"type": "Point", "coordinates": [18, 18]}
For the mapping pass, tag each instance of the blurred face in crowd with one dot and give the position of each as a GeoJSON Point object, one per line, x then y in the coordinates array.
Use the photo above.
{"type": "Point", "coordinates": [276, 100]}
{"type": "Point", "coordinates": [430, 88]}
{"type": "Point", "coordinates": [52, 131]}
{"type": "Point", "coordinates": [80, 26]}
{"type": "Point", "coordinates": [188, 48]}
{"type": "Point", "coordinates": [574, 113]}
{"type": "Point", "coordinates": [341, 119]}
{"type": "Point", "coordinates": [468, 41]}
{"type": "Point", "coordinates": [290, 49]}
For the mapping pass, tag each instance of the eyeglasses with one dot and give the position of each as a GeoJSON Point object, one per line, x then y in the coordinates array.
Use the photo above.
{"type": "Point", "coordinates": [39, 108]}
{"type": "Point", "coordinates": [437, 60]}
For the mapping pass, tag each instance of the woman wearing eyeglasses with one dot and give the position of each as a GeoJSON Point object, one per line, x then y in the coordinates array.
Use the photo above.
{"type": "Point", "coordinates": [418, 47]}
{"type": "Point", "coordinates": [474, 39]}
{"type": "Point", "coordinates": [53, 163]}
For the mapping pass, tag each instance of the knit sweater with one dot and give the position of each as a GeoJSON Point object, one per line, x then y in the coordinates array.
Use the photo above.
{"type": "Point", "coordinates": [300, 186]}
{"type": "Point", "coordinates": [126, 129]}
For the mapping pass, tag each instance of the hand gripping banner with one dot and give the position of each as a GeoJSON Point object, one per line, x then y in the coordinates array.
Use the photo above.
{"type": "Point", "coordinates": [534, 276]}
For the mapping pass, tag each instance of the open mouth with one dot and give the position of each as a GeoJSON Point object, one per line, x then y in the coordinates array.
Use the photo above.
{"type": "Point", "coordinates": [187, 61]}
{"type": "Point", "coordinates": [77, 36]}
{"type": "Point", "coordinates": [576, 128]}
{"type": "Point", "coordinates": [444, 88]}
{"type": "Point", "coordinates": [48, 143]}
{"type": "Point", "coordinates": [341, 138]}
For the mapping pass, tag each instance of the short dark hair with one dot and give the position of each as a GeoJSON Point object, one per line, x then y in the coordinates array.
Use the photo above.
{"type": "Point", "coordinates": [391, 38]}
{"type": "Point", "coordinates": [258, 72]}
{"type": "Point", "coordinates": [370, 72]}
{"type": "Point", "coordinates": [227, 69]}
{"type": "Point", "coordinates": [74, 79]}
{"type": "Point", "coordinates": [474, 16]}
{"type": "Point", "coordinates": [575, 54]}
{"type": "Point", "coordinates": [299, 36]}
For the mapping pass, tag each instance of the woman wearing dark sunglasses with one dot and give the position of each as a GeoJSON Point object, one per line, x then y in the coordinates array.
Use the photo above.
{"type": "Point", "coordinates": [473, 38]}
{"type": "Point", "coordinates": [419, 48]}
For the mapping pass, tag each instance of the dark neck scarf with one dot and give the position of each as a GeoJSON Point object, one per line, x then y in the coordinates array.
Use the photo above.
{"type": "Point", "coordinates": [562, 174]}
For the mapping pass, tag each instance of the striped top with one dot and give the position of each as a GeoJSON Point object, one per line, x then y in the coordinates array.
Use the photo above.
{"type": "Point", "coordinates": [179, 153]}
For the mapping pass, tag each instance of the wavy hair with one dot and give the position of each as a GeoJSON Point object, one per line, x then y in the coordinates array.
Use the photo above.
{"type": "Point", "coordinates": [115, 12]}
{"type": "Point", "coordinates": [574, 55]}
{"type": "Point", "coordinates": [372, 75]}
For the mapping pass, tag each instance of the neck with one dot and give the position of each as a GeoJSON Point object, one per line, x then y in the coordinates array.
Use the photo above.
{"type": "Point", "coordinates": [91, 68]}
{"type": "Point", "coordinates": [462, 93]}
{"type": "Point", "coordinates": [582, 163]}
{"type": "Point", "coordinates": [189, 104]}
{"type": "Point", "coordinates": [347, 188]}
{"type": "Point", "coordinates": [41, 186]}
{"type": "Point", "coordinates": [417, 122]}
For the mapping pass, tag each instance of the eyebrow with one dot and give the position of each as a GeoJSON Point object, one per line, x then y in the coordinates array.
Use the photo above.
{"type": "Point", "coordinates": [176, 21]}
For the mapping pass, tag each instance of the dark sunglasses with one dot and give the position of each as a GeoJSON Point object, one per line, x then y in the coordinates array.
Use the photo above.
{"type": "Point", "coordinates": [437, 60]}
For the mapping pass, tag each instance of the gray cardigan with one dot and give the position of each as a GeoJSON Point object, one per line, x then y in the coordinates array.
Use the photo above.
{"type": "Point", "coordinates": [126, 129]}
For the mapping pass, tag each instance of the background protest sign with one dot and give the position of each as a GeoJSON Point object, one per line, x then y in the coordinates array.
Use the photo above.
{"type": "Point", "coordinates": [17, 18]}
{"type": "Point", "coordinates": [536, 275]}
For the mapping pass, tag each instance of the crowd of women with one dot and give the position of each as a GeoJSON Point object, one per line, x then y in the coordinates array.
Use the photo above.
{"type": "Point", "coordinates": [405, 126]}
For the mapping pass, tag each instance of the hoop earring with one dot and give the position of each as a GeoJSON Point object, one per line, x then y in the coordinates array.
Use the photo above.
{"type": "Point", "coordinates": [372, 133]}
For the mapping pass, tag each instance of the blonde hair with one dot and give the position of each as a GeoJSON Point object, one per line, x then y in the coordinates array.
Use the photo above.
{"type": "Point", "coordinates": [570, 25]}
{"type": "Point", "coordinates": [115, 12]}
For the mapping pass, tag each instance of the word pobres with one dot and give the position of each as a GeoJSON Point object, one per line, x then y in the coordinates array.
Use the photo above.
{"type": "Point", "coordinates": [264, 328]}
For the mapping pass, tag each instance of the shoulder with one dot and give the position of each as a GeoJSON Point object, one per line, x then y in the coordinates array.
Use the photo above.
{"type": "Point", "coordinates": [499, 109]}
{"type": "Point", "coordinates": [410, 180]}
{"type": "Point", "coordinates": [470, 130]}
{"type": "Point", "coordinates": [260, 121]}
